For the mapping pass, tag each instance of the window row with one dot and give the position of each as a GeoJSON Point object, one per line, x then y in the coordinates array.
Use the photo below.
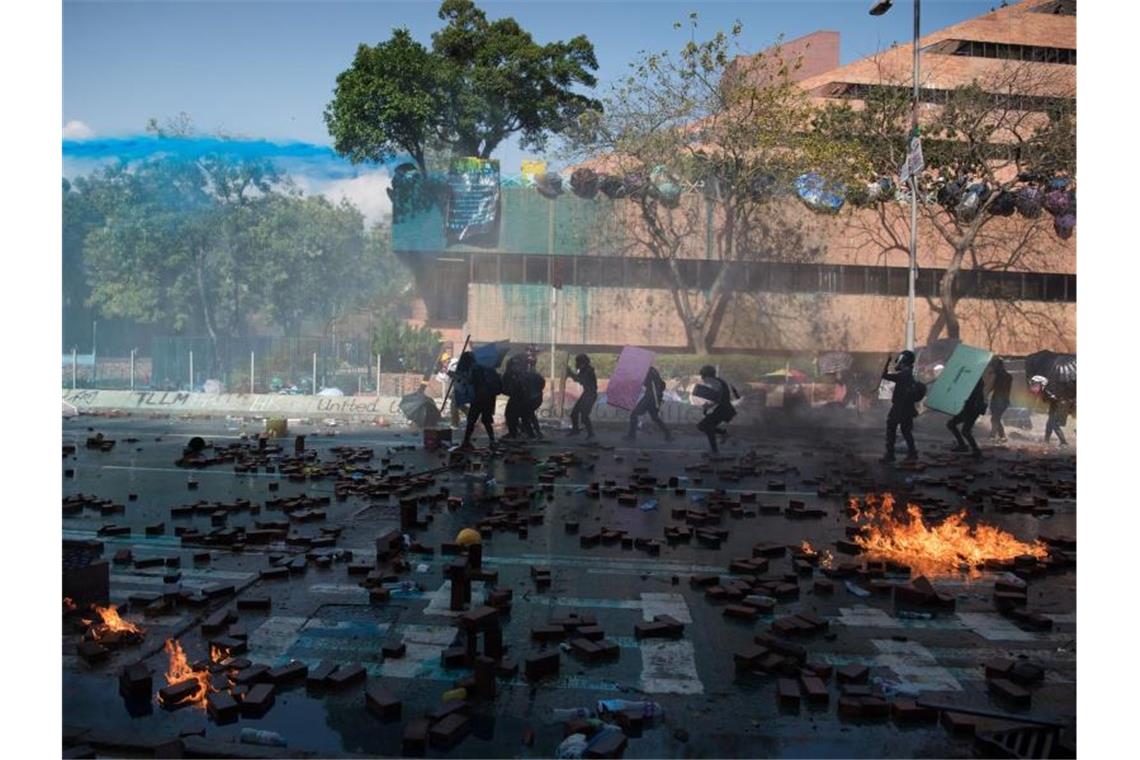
{"type": "Point", "coordinates": [1014, 100]}
{"type": "Point", "coordinates": [979, 49]}
{"type": "Point", "coordinates": [765, 276]}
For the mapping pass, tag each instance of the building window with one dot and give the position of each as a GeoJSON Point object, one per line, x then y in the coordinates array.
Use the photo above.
{"type": "Point", "coordinates": [485, 268]}
{"type": "Point", "coordinates": [511, 269]}
{"type": "Point", "coordinates": [537, 270]}
{"type": "Point", "coordinates": [590, 273]}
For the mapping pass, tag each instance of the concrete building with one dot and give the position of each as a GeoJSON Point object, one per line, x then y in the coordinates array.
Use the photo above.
{"type": "Point", "coordinates": [846, 290]}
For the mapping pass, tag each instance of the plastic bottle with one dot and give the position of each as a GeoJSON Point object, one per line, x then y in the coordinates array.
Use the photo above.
{"type": "Point", "coordinates": [648, 709]}
{"type": "Point", "coordinates": [649, 505]}
{"type": "Point", "coordinates": [573, 746]}
{"type": "Point", "coordinates": [908, 615]}
{"type": "Point", "coordinates": [265, 738]}
{"type": "Point", "coordinates": [569, 713]}
{"type": "Point", "coordinates": [856, 590]}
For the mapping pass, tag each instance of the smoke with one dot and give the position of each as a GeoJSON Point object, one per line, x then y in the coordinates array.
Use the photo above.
{"type": "Point", "coordinates": [315, 169]}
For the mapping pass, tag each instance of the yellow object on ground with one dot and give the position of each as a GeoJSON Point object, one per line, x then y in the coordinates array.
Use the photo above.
{"type": "Point", "coordinates": [277, 427]}
{"type": "Point", "coordinates": [468, 536]}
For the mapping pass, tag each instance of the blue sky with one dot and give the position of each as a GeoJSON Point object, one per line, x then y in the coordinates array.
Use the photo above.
{"type": "Point", "coordinates": [265, 69]}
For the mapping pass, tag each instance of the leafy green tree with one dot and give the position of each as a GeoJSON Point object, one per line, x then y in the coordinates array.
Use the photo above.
{"type": "Point", "coordinates": [403, 346]}
{"type": "Point", "coordinates": [480, 82]}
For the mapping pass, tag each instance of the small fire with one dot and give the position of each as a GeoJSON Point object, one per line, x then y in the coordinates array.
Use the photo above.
{"type": "Point", "coordinates": [826, 560]}
{"type": "Point", "coordinates": [940, 549]}
{"type": "Point", "coordinates": [113, 628]}
{"type": "Point", "coordinates": [218, 654]}
{"type": "Point", "coordinates": [179, 670]}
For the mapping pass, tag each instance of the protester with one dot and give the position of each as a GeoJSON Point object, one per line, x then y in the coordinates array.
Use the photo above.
{"type": "Point", "coordinates": [484, 384]}
{"type": "Point", "coordinates": [999, 399]}
{"type": "Point", "coordinates": [903, 398]}
{"type": "Point", "coordinates": [974, 407]}
{"type": "Point", "coordinates": [649, 403]}
{"type": "Point", "coordinates": [514, 386]}
{"type": "Point", "coordinates": [1058, 412]}
{"type": "Point", "coordinates": [588, 379]}
{"type": "Point", "coordinates": [535, 384]}
{"type": "Point", "coordinates": [719, 409]}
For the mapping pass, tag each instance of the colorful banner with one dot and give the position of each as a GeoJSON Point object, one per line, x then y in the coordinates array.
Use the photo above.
{"type": "Point", "coordinates": [473, 202]}
{"type": "Point", "coordinates": [626, 382]}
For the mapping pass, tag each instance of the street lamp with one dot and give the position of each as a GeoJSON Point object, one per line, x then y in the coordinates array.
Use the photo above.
{"type": "Point", "coordinates": [879, 9]}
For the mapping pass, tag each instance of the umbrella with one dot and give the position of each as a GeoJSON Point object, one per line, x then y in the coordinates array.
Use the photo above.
{"type": "Point", "coordinates": [491, 355]}
{"type": "Point", "coordinates": [331, 392]}
{"type": "Point", "coordinates": [419, 409]}
{"type": "Point", "coordinates": [781, 375]}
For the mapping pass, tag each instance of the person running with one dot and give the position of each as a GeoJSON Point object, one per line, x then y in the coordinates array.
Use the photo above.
{"type": "Point", "coordinates": [974, 408]}
{"type": "Point", "coordinates": [649, 403]}
{"type": "Point", "coordinates": [719, 409]}
{"type": "Point", "coordinates": [999, 399]}
{"type": "Point", "coordinates": [588, 379]}
{"type": "Point", "coordinates": [902, 413]}
{"type": "Point", "coordinates": [535, 384]}
{"type": "Point", "coordinates": [486, 385]}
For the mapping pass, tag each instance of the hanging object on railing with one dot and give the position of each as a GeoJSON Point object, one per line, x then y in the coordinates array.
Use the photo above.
{"type": "Point", "coordinates": [1004, 204]}
{"type": "Point", "coordinates": [611, 186]}
{"type": "Point", "coordinates": [548, 185]}
{"type": "Point", "coordinates": [818, 194]}
{"type": "Point", "coordinates": [1029, 202]}
{"type": "Point", "coordinates": [664, 186]}
{"type": "Point", "coordinates": [584, 183]}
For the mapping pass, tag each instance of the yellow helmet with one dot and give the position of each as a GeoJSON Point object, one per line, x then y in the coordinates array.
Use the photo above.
{"type": "Point", "coordinates": [468, 536]}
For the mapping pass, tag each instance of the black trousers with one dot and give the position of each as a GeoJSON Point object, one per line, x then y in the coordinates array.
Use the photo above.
{"type": "Point", "coordinates": [709, 424]}
{"type": "Point", "coordinates": [581, 412]}
{"type": "Point", "coordinates": [966, 419]}
{"type": "Point", "coordinates": [899, 419]}
{"type": "Point", "coordinates": [530, 417]}
{"type": "Point", "coordinates": [997, 430]}
{"type": "Point", "coordinates": [1054, 424]}
{"type": "Point", "coordinates": [647, 405]}
{"type": "Point", "coordinates": [516, 414]}
{"type": "Point", "coordinates": [481, 409]}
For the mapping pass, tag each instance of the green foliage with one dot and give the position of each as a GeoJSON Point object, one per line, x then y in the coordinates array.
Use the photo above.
{"type": "Point", "coordinates": [406, 348]}
{"type": "Point", "coordinates": [480, 82]}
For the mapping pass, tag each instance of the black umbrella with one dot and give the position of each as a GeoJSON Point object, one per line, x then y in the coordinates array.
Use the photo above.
{"type": "Point", "coordinates": [1059, 369]}
{"type": "Point", "coordinates": [419, 409]}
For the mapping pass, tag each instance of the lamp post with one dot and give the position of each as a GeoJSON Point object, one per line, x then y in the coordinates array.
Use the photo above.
{"type": "Point", "coordinates": [879, 9]}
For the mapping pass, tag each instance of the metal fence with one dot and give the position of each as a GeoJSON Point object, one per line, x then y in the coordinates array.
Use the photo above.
{"type": "Point", "coordinates": [238, 365]}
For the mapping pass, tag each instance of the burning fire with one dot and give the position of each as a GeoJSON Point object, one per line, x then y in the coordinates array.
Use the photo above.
{"type": "Point", "coordinates": [940, 549]}
{"type": "Point", "coordinates": [826, 560]}
{"type": "Point", "coordinates": [179, 670]}
{"type": "Point", "coordinates": [113, 627]}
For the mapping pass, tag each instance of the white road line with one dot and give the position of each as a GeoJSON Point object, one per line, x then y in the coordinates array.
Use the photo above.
{"type": "Point", "coordinates": [665, 604]}
{"type": "Point", "coordinates": [440, 602]}
{"type": "Point", "coordinates": [669, 667]}
{"type": "Point", "coordinates": [423, 644]}
{"type": "Point", "coordinates": [272, 639]}
{"type": "Point", "coordinates": [915, 666]}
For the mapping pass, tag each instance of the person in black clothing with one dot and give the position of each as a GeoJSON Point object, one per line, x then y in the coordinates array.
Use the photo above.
{"type": "Point", "coordinates": [1058, 414]}
{"type": "Point", "coordinates": [487, 385]}
{"type": "Point", "coordinates": [535, 384]}
{"type": "Point", "coordinates": [719, 409]}
{"type": "Point", "coordinates": [974, 407]}
{"type": "Point", "coordinates": [588, 379]}
{"type": "Point", "coordinates": [902, 412]}
{"type": "Point", "coordinates": [999, 399]}
{"type": "Point", "coordinates": [649, 403]}
{"type": "Point", "coordinates": [514, 385]}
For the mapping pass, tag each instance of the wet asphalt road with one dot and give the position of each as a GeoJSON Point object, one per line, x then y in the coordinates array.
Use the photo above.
{"type": "Point", "coordinates": [322, 614]}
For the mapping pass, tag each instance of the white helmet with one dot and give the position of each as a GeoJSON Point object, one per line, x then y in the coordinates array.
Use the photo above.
{"type": "Point", "coordinates": [1039, 380]}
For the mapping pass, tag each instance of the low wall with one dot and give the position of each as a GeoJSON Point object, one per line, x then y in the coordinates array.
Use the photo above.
{"type": "Point", "coordinates": [317, 407]}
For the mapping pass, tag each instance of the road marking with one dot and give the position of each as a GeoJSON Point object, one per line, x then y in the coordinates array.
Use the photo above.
{"type": "Point", "coordinates": [440, 602]}
{"type": "Point", "coordinates": [665, 604]}
{"type": "Point", "coordinates": [994, 627]}
{"type": "Point", "coordinates": [423, 645]}
{"type": "Point", "coordinates": [669, 667]}
{"type": "Point", "coordinates": [354, 594]}
{"type": "Point", "coordinates": [270, 640]}
{"type": "Point", "coordinates": [914, 665]}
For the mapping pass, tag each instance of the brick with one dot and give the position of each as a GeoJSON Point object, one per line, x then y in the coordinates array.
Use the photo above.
{"type": "Point", "coordinates": [174, 694]}
{"type": "Point", "coordinates": [611, 745]}
{"type": "Point", "coordinates": [541, 664]}
{"type": "Point", "coordinates": [997, 668]}
{"type": "Point", "coordinates": [346, 675]}
{"type": "Point", "coordinates": [591, 632]}
{"type": "Point", "coordinates": [135, 681]}
{"type": "Point", "coordinates": [319, 676]}
{"type": "Point", "coordinates": [414, 738]}
{"type": "Point", "coordinates": [874, 707]}
{"type": "Point", "coordinates": [853, 674]}
{"type": "Point", "coordinates": [815, 689]}
{"type": "Point", "coordinates": [960, 723]}
{"type": "Point", "coordinates": [251, 675]}
{"type": "Point", "coordinates": [449, 731]}
{"type": "Point", "coordinates": [608, 650]}
{"type": "Point", "coordinates": [1010, 692]}
{"type": "Point", "coordinates": [823, 587]}
{"type": "Point", "coordinates": [394, 649]}
{"type": "Point", "coordinates": [548, 633]}
{"type": "Point", "coordinates": [484, 677]}
{"type": "Point", "coordinates": [454, 657]}
{"type": "Point", "coordinates": [741, 612]}
{"type": "Point", "coordinates": [294, 671]}
{"type": "Point", "coordinates": [1026, 673]}
{"type": "Point", "coordinates": [788, 692]}
{"type": "Point", "coordinates": [382, 703]}
{"type": "Point", "coordinates": [92, 652]}
{"type": "Point", "coordinates": [259, 699]}
{"type": "Point", "coordinates": [584, 648]}
{"type": "Point", "coordinates": [254, 603]}
{"type": "Point", "coordinates": [906, 710]}
{"type": "Point", "coordinates": [749, 656]}
{"type": "Point", "coordinates": [222, 707]}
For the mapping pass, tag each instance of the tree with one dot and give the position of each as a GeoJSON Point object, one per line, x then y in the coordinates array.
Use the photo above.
{"type": "Point", "coordinates": [411, 349]}
{"type": "Point", "coordinates": [732, 127]}
{"type": "Point", "coordinates": [481, 82]}
{"type": "Point", "coordinates": [1002, 132]}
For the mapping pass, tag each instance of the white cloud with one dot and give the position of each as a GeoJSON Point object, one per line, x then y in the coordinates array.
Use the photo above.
{"type": "Point", "coordinates": [77, 130]}
{"type": "Point", "coordinates": [367, 191]}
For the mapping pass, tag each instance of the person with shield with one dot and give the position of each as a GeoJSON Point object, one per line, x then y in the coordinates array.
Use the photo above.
{"type": "Point", "coordinates": [482, 385]}
{"type": "Point", "coordinates": [588, 379]}
{"type": "Point", "coordinates": [652, 395]}
{"type": "Point", "coordinates": [719, 409]}
{"type": "Point", "coordinates": [902, 413]}
{"type": "Point", "coordinates": [974, 408]}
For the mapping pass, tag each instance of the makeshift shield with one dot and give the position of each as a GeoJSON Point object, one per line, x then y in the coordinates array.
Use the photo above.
{"type": "Point", "coordinates": [625, 385]}
{"type": "Point", "coordinates": [419, 409]}
{"type": "Point", "coordinates": [962, 372]}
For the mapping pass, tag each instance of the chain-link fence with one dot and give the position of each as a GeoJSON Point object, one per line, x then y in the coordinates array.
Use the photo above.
{"type": "Point", "coordinates": [237, 365]}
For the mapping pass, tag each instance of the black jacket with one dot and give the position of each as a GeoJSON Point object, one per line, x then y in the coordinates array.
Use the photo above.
{"type": "Point", "coordinates": [587, 378]}
{"type": "Point", "coordinates": [902, 397]}
{"type": "Point", "coordinates": [654, 385]}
